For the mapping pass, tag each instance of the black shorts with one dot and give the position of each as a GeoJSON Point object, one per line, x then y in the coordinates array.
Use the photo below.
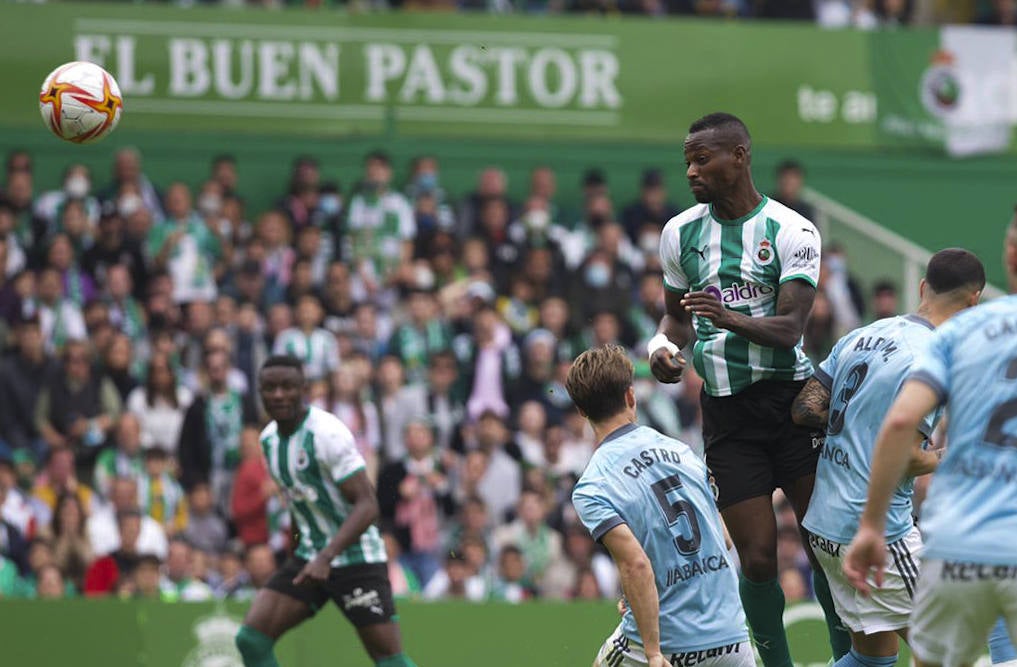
{"type": "Point", "coordinates": [362, 592]}
{"type": "Point", "coordinates": [752, 446]}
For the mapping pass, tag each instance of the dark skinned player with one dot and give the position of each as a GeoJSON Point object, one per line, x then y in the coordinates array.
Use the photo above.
{"type": "Point", "coordinates": [740, 271]}
{"type": "Point", "coordinates": [340, 557]}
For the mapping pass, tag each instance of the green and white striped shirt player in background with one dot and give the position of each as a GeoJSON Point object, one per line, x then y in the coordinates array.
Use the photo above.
{"type": "Point", "coordinates": [741, 271]}
{"type": "Point", "coordinates": [340, 557]}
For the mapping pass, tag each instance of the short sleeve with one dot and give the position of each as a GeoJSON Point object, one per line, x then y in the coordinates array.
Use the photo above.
{"type": "Point", "coordinates": [594, 508]}
{"type": "Point", "coordinates": [798, 246]}
{"type": "Point", "coordinates": [932, 367]}
{"type": "Point", "coordinates": [339, 453]}
{"type": "Point", "coordinates": [670, 259]}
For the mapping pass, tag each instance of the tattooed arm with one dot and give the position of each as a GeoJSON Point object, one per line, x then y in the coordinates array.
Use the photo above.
{"type": "Point", "coordinates": [811, 408]}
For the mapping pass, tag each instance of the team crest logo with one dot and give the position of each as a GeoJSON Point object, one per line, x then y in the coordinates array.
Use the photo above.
{"type": "Point", "coordinates": [216, 647]}
{"type": "Point", "coordinates": [302, 459]}
{"type": "Point", "coordinates": [764, 253]}
{"type": "Point", "coordinates": [941, 88]}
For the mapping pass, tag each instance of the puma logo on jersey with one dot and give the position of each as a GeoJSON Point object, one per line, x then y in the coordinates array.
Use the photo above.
{"type": "Point", "coordinates": [806, 229]}
{"type": "Point", "coordinates": [701, 253]}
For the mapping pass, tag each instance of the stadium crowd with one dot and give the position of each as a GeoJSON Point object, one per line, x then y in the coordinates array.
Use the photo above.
{"type": "Point", "coordinates": [134, 317]}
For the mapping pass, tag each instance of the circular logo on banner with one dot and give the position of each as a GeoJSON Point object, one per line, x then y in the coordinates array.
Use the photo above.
{"type": "Point", "coordinates": [940, 87]}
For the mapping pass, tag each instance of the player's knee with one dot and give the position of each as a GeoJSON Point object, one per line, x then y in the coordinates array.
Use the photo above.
{"type": "Point", "coordinates": [758, 565]}
{"type": "Point", "coordinates": [253, 645]}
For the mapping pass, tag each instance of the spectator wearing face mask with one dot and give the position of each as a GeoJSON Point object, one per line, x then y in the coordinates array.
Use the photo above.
{"type": "Point", "coordinates": [77, 186]}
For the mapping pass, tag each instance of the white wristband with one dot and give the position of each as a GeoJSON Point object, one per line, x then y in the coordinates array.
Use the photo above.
{"type": "Point", "coordinates": [660, 341]}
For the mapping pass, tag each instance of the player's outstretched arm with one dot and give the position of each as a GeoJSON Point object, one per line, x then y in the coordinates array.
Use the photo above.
{"type": "Point", "coordinates": [638, 583]}
{"type": "Point", "coordinates": [359, 493]}
{"type": "Point", "coordinates": [811, 407]}
{"type": "Point", "coordinates": [675, 330]}
{"type": "Point", "coordinates": [780, 331]}
{"type": "Point", "coordinates": [890, 461]}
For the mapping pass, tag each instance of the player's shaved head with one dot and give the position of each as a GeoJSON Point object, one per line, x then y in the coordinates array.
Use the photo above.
{"type": "Point", "coordinates": [955, 271]}
{"type": "Point", "coordinates": [727, 129]}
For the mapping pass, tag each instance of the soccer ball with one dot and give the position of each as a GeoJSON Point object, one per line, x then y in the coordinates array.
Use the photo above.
{"type": "Point", "coordinates": [80, 102]}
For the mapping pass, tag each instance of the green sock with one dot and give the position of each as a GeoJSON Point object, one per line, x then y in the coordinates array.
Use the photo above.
{"type": "Point", "coordinates": [398, 660]}
{"type": "Point", "coordinates": [255, 648]}
{"type": "Point", "coordinates": [840, 639]}
{"type": "Point", "coordinates": [764, 610]}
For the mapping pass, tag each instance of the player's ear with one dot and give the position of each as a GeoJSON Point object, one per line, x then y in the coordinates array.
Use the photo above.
{"type": "Point", "coordinates": [921, 288]}
{"type": "Point", "coordinates": [975, 298]}
{"type": "Point", "coordinates": [630, 397]}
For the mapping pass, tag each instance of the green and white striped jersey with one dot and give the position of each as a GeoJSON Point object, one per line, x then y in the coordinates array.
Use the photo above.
{"type": "Point", "coordinates": [742, 262]}
{"type": "Point", "coordinates": [309, 466]}
{"type": "Point", "coordinates": [319, 351]}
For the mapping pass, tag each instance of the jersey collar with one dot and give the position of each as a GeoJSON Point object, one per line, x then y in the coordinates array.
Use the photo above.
{"type": "Point", "coordinates": [619, 432]}
{"type": "Point", "coordinates": [918, 319]}
{"type": "Point", "coordinates": [748, 216]}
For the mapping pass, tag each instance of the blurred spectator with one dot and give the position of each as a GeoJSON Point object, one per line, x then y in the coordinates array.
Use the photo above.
{"type": "Point", "coordinates": [60, 317]}
{"type": "Point", "coordinates": [421, 335]}
{"type": "Point", "coordinates": [22, 377]}
{"type": "Point", "coordinates": [884, 300]}
{"type": "Point", "coordinates": [511, 584]}
{"type": "Point", "coordinates": [309, 341]}
{"type": "Point", "coordinates": [210, 436]}
{"type": "Point", "coordinates": [130, 187]}
{"type": "Point", "coordinates": [1000, 12]}
{"type": "Point", "coordinates": [104, 529]}
{"type": "Point", "coordinates": [380, 228]}
{"type": "Point", "coordinates": [644, 218]}
{"type": "Point", "coordinates": [455, 581]}
{"type": "Point", "coordinates": [126, 313]}
{"type": "Point", "coordinates": [492, 183]}
{"type": "Point", "coordinates": [78, 285]}
{"type": "Point", "coordinates": [489, 361]}
{"type": "Point", "coordinates": [107, 571]}
{"type": "Point", "coordinates": [187, 247]}
{"type": "Point", "coordinates": [539, 545]}
{"type": "Point", "coordinates": [491, 472]}
{"type": "Point", "coordinates": [790, 182]}
{"type": "Point", "coordinates": [72, 552]}
{"type": "Point", "coordinates": [122, 459]}
{"type": "Point", "coordinates": [58, 478]}
{"type": "Point", "coordinates": [118, 365]}
{"type": "Point", "coordinates": [50, 584]}
{"type": "Point", "coordinates": [159, 494]}
{"type": "Point", "coordinates": [405, 583]}
{"type": "Point", "coordinates": [144, 582]}
{"type": "Point", "coordinates": [206, 530]}
{"type": "Point", "coordinates": [415, 498]}
{"type": "Point", "coordinates": [159, 405]}
{"type": "Point", "coordinates": [352, 406]}
{"type": "Point", "coordinates": [17, 508]}
{"type": "Point", "coordinates": [76, 187]}
{"type": "Point", "coordinates": [252, 494]}
{"type": "Point", "coordinates": [842, 291]}
{"type": "Point", "coordinates": [178, 582]}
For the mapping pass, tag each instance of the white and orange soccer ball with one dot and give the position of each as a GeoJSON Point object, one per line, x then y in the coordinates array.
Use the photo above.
{"type": "Point", "coordinates": [80, 102]}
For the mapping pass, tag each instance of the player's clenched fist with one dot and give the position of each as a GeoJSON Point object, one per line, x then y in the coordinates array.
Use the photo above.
{"type": "Point", "coordinates": [667, 367]}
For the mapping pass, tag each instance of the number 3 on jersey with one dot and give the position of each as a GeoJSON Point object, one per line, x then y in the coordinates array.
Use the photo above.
{"type": "Point", "coordinates": [673, 513]}
{"type": "Point", "coordinates": [852, 382]}
{"type": "Point", "coordinates": [1004, 412]}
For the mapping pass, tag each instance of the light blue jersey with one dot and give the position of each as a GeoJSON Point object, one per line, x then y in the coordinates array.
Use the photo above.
{"type": "Point", "coordinates": [863, 373]}
{"type": "Point", "coordinates": [658, 487]}
{"type": "Point", "coordinates": [971, 364]}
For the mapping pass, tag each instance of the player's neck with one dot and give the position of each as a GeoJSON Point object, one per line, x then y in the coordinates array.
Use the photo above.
{"type": "Point", "coordinates": [739, 203]}
{"type": "Point", "coordinates": [936, 314]}
{"type": "Point", "coordinates": [605, 428]}
{"type": "Point", "coordinates": [288, 427]}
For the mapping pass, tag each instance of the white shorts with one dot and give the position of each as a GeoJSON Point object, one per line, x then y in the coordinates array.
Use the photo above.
{"type": "Point", "coordinates": [620, 651]}
{"type": "Point", "coordinates": [955, 608]}
{"type": "Point", "coordinates": [888, 608]}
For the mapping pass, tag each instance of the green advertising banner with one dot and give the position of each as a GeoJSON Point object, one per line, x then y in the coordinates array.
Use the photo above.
{"type": "Point", "coordinates": [113, 633]}
{"type": "Point", "coordinates": [331, 73]}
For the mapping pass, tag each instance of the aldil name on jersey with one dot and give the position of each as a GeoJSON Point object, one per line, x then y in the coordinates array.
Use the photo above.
{"type": "Point", "coordinates": [741, 294]}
